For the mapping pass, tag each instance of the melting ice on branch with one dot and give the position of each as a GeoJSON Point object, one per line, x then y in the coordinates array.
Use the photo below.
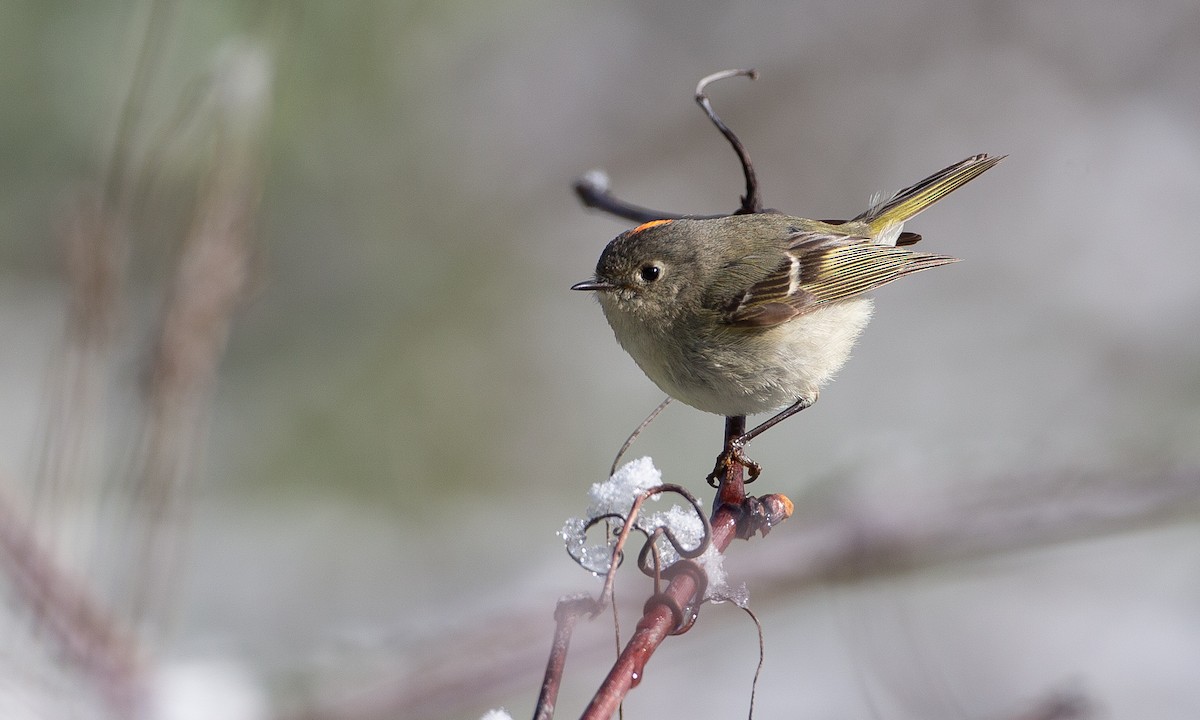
{"type": "Point", "coordinates": [612, 500]}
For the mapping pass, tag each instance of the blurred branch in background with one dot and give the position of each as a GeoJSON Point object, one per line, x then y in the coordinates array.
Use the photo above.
{"type": "Point", "coordinates": [96, 249]}
{"type": "Point", "coordinates": [65, 613]}
{"type": "Point", "coordinates": [210, 281]}
{"type": "Point", "coordinates": [101, 501]}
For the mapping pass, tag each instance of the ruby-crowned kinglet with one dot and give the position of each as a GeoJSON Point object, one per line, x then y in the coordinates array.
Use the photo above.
{"type": "Point", "coordinates": [752, 313]}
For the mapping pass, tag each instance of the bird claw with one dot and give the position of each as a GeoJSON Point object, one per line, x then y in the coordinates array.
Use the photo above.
{"type": "Point", "coordinates": [729, 456]}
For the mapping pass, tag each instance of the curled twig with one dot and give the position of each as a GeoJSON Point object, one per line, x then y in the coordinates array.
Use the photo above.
{"type": "Point", "coordinates": [618, 554]}
{"type": "Point", "coordinates": [629, 523]}
{"type": "Point", "coordinates": [751, 203]}
{"type": "Point", "coordinates": [685, 615]}
{"type": "Point", "coordinates": [594, 190]}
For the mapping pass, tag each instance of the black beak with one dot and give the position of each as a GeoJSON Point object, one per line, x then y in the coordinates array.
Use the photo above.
{"type": "Point", "coordinates": [593, 285]}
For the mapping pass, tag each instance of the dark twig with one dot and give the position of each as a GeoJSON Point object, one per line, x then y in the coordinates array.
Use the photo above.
{"type": "Point", "coordinates": [762, 657]}
{"type": "Point", "coordinates": [594, 190]}
{"type": "Point", "coordinates": [638, 431]}
{"type": "Point", "coordinates": [751, 202]}
{"type": "Point", "coordinates": [669, 535]}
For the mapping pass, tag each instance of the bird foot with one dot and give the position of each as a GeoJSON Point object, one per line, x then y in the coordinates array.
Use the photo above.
{"type": "Point", "coordinates": [730, 455]}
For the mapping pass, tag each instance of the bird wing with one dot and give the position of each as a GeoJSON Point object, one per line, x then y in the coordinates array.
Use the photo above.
{"type": "Point", "coordinates": [820, 268]}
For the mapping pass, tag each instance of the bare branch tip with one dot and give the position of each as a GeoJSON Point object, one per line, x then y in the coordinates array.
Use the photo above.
{"type": "Point", "coordinates": [779, 508]}
{"type": "Point", "coordinates": [593, 181]}
{"type": "Point", "coordinates": [723, 74]}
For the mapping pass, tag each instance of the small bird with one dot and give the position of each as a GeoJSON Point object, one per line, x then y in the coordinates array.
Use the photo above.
{"type": "Point", "coordinates": [755, 313]}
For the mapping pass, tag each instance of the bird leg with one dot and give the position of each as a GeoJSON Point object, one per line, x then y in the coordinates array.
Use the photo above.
{"type": "Point", "coordinates": [735, 446]}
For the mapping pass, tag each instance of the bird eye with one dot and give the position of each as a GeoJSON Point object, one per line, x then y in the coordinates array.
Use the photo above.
{"type": "Point", "coordinates": [650, 272]}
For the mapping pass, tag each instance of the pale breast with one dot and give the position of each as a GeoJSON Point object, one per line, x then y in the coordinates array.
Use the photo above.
{"type": "Point", "coordinates": [746, 372]}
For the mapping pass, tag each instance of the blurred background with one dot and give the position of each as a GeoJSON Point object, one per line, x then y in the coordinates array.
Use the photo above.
{"type": "Point", "coordinates": [294, 395]}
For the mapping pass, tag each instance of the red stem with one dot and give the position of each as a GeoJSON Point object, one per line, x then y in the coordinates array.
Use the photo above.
{"type": "Point", "coordinates": [656, 624]}
{"type": "Point", "coordinates": [659, 620]}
